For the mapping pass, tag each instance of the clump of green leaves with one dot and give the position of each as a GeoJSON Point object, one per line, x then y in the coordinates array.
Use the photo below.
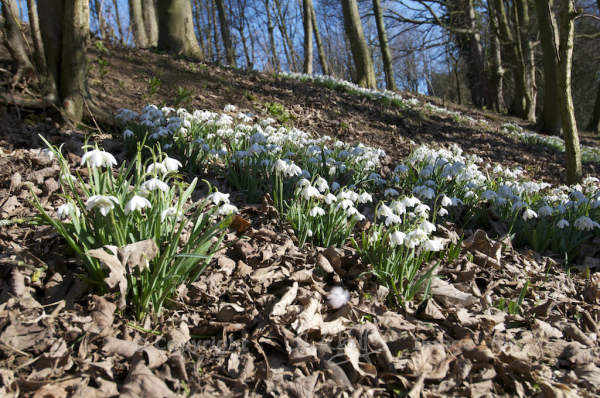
{"type": "Point", "coordinates": [278, 111]}
{"type": "Point", "coordinates": [154, 84]}
{"type": "Point", "coordinates": [183, 97]}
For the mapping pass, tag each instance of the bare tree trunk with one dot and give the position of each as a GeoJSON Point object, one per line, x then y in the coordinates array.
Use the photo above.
{"type": "Point", "coordinates": [137, 23]}
{"type": "Point", "coordinates": [320, 48]}
{"type": "Point", "coordinates": [38, 45]}
{"type": "Point", "coordinates": [150, 22]}
{"type": "Point", "coordinates": [213, 13]}
{"type": "Point", "coordinates": [271, 30]}
{"type": "Point", "coordinates": [526, 54]}
{"type": "Point", "coordinates": [118, 18]}
{"type": "Point", "coordinates": [494, 92]}
{"type": "Point", "coordinates": [13, 40]}
{"type": "Point", "coordinates": [565, 100]}
{"type": "Point", "coordinates": [550, 122]}
{"type": "Point", "coordinates": [308, 39]}
{"type": "Point", "coordinates": [594, 123]}
{"type": "Point", "coordinates": [200, 26]}
{"type": "Point", "coordinates": [176, 29]}
{"type": "Point", "coordinates": [225, 33]}
{"type": "Point", "coordinates": [388, 65]}
{"type": "Point", "coordinates": [365, 75]}
{"type": "Point", "coordinates": [287, 42]}
{"type": "Point", "coordinates": [100, 15]}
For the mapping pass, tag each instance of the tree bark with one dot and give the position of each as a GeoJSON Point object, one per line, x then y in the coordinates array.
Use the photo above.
{"type": "Point", "coordinates": [137, 24]}
{"type": "Point", "coordinates": [176, 29]}
{"type": "Point", "coordinates": [150, 22]}
{"type": "Point", "coordinates": [388, 67]}
{"type": "Point", "coordinates": [307, 66]}
{"type": "Point", "coordinates": [287, 42]}
{"type": "Point", "coordinates": [118, 18]}
{"type": "Point", "coordinates": [495, 92]}
{"type": "Point", "coordinates": [271, 30]}
{"type": "Point", "coordinates": [36, 35]}
{"type": "Point", "coordinates": [100, 15]}
{"type": "Point", "coordinates": [365, 75]}
{"type": "Point", "coordinates": [550, 122]}
{"type": "Point", "coordinates": [14, 41]}
{"type": "Point", "coordinates": [565, 100]}
{"type": "Point", "coordinates": [225, 33]}
{"type": "Point", "coordinates": [594, 123]}
{"type": "Point", "coordinates": [527, 57]}
{"type": "Point", "coordinates": [320, 48]}
{"type": "Point", "coordinates": [215, 32]}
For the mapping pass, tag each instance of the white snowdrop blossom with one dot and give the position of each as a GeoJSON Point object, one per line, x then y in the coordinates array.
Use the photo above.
{"type": "Point", "coordinates": [136, 203]}
{"type": "Point", "coordinates": [154, 184]}
{"type": "Point", "coordinates": [422, 208]}
{"type": "Point", "coordinates": [321, 184]}
{"type": "Point", "coordinates": [338, 297]}
{"type": "Point", "coordinates": [398, 207]}
{"type": "Point", "coordinates": [518, 205]}
{"type": "Point", "coordinates": [128, 134]}
{"type": "Point", "coordinates": [65, 210]}
{"type": "Point", "coordinates": [157, 168]}
{"type": "Point", "coordinates": [529, 214]}
{"type": "Point", "coordinates": [103, 202]}
{"type": "Point", "coordinates": [489, 195]}
{"type": "Point", "coordinates": [309, 192]}
{"type": "Point", "coordinates": [414, 238]}
{"type": "Point", "coordinates": [446, 201]}
{"type": "Point", "coordinates": [432, 246]}
{"type": "Point", "coordinates": [330, 198]}
{"type": "Point", "coordinates": [392, 219]}
{"type": "Point", "coordinates": [442, 212]}
{"type": "Point", "coordinates": [545, 211]}
{"type": "Point", "coordinates": [171, 213]}
{"type": "Point", "coordinates": [562, 224]}
{"type": "Point", "coordinates": [427, 226]}
{"type": "Point", "coordinates": [384, 211]}
{"type": "Point", "coordinates": [345, 204]}
{"type": "Point", "coordinates": [397, 237]}
{"type": "Point", "coordinates": [227, 209]}
{"type": "Point", "coordinates": [585, 223]}
{"type": "Point", "coordinates": [229, 108]}
{"type": "Point", "coordinates": [365, 198]}
{"type": "Point", "coordinates": [98, 158]}
{"type": "Point", "coordinates": [218, 197]}
{"type": "Point", "coordinates": [292, 170]}
{"type": "Point", "coordinates": [390, 192]}
{"type": "Point", "coordinates": [172, 165]}
{"type": "Point", "coordinates": [317, 211]}
{"type": "Point", "coordinates": [335, 186]}
{"type": "Point", "coordinates": [47, 154]}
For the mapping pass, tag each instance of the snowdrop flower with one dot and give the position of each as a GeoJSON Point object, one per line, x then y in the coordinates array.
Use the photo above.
{"type": "Point", "coordinates": [136, 203]}
{"type": "Point", "coordinates": [398, 207]}
{"type": "Point", "coordinates": [280, 165]}
{"type": "Point", "coordinates": [427, 193]}
{"type": "Point", "coordinates": [170, 212]}
{"type": "Point", "coordinates": [47, 154]}
{"type": "Point", "coordinates": [352, 211]}
{"type": "Point", "coordinates": [489, 195]}
{"type": "Point", "coordinates": [154, 184]}
{"type": "Point", "coordinates": [335, 186]}
{"type": "Point", "coordinates": [442, 212]}
{"type": "Point", "coordinates": [345, 204]}
{"type": "Point", "coordinates": [397, 237]}
{"type": "Point", "coordinates": [292, 170]}
{"type": "Point", "coordinates": [518, 205]}
{"type": "Point", "coordinates": [105, 203]}
{"type": "Point", "coordinates": [384, 211]}
{"type": "Point", "coordinates": [392, 219]}
{"type": "Point", "coordinates": [432, 246]}
{"type": "Point", "coordinates": [390, 192]}
{"type": "Point", "coordinates": [308, 192]}
{"type": "Point", "coordinates": [586, 223]}
{"type": "Point", "coordinates": [157, 168]}
{"type": "Point", "coordinates": [400, 169]}
{"type": "Point", "coordinates": [227, 209]}
{"type": "Point", "coordinates": [229, 108]}
{"type": "Point", "coordinates": [410, 201]}
{"type": "Point", "coordinates": [218, 197]}
{"type": "Point", "coordinates": [427, 226]}
{"type": "Point", "coordinates": [317, 211]}
{"type": "Point", "coordinates": [66, 178]}
{"type": "Point", "coordinates": [338, 297]}
{"type": "Point", "coordinates": [422, 208]}
{"type": "Point", "coordinates": [414, 238]}
{"type": "Point", "coordinates": [98, 158]}
{"type": "Point", "coordinates": [529, 214]}
{"type": "Point", "coordinates": [562, 224]}
{"type": "Point", "coordinates": [128, 134]}
{"type": "Point", "coordinates": [330, 198]}
{"type": "Point", "coordinates": [446, 201]}
{"type": "Point", "coordinates": [365, 198]}
{"type": "Point", "coordinates": [321, 184]}
{"type": "Point", "coordinates": [65, 210]}
{"type": "Point", "coordinates": [545, 211]}
{"type": "Point", "coordinates": [171, 165]}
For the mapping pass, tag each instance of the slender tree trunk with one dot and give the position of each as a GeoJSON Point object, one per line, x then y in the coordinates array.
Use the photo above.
{"type": "Point", "coordinates": [308, 39]}
{"type": "Point", "coordinates": [388, 65]}
{"type": "Point", "coordinates": [494, 93]}
{"type": "Point", "coordinates": [320, 48]}
{"type": "Point", "coordinates": [565, 100]}
{"type": "Point", "coordinates": [550, 122]}
{"type": "Point", "coordinates": [13, 40]}
{"type": "Point", "coordinates": [137, 24]}
{"type": "Point", "coordinates": [365, 75]}
{"type": "Point", "coordinates": [225, 33]}
{"type": "Point", "coordinates": [118, 19]}
{"type": "Point", "coordinates": [176, 29]}
{"type": "Point", "coordinates": [150, 22]}
{"type": "Point", "coordinates": [270, 30]}
{"type": "Point", "coordinates": [36, 35]}
{"type": "Point", "coordinates": [287, 42]}
{"type": "Point", "coordinates": [594, 123]}
{"type": "Point", "coordinates": [527, 56]}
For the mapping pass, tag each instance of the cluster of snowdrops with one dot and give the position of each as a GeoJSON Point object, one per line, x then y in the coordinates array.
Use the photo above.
{"type": "Point", "coordinates": [322, 187]}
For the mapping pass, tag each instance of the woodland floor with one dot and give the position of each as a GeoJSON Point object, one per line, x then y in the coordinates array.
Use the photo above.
{"type": "Point", "coordinates": [58, 340]}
